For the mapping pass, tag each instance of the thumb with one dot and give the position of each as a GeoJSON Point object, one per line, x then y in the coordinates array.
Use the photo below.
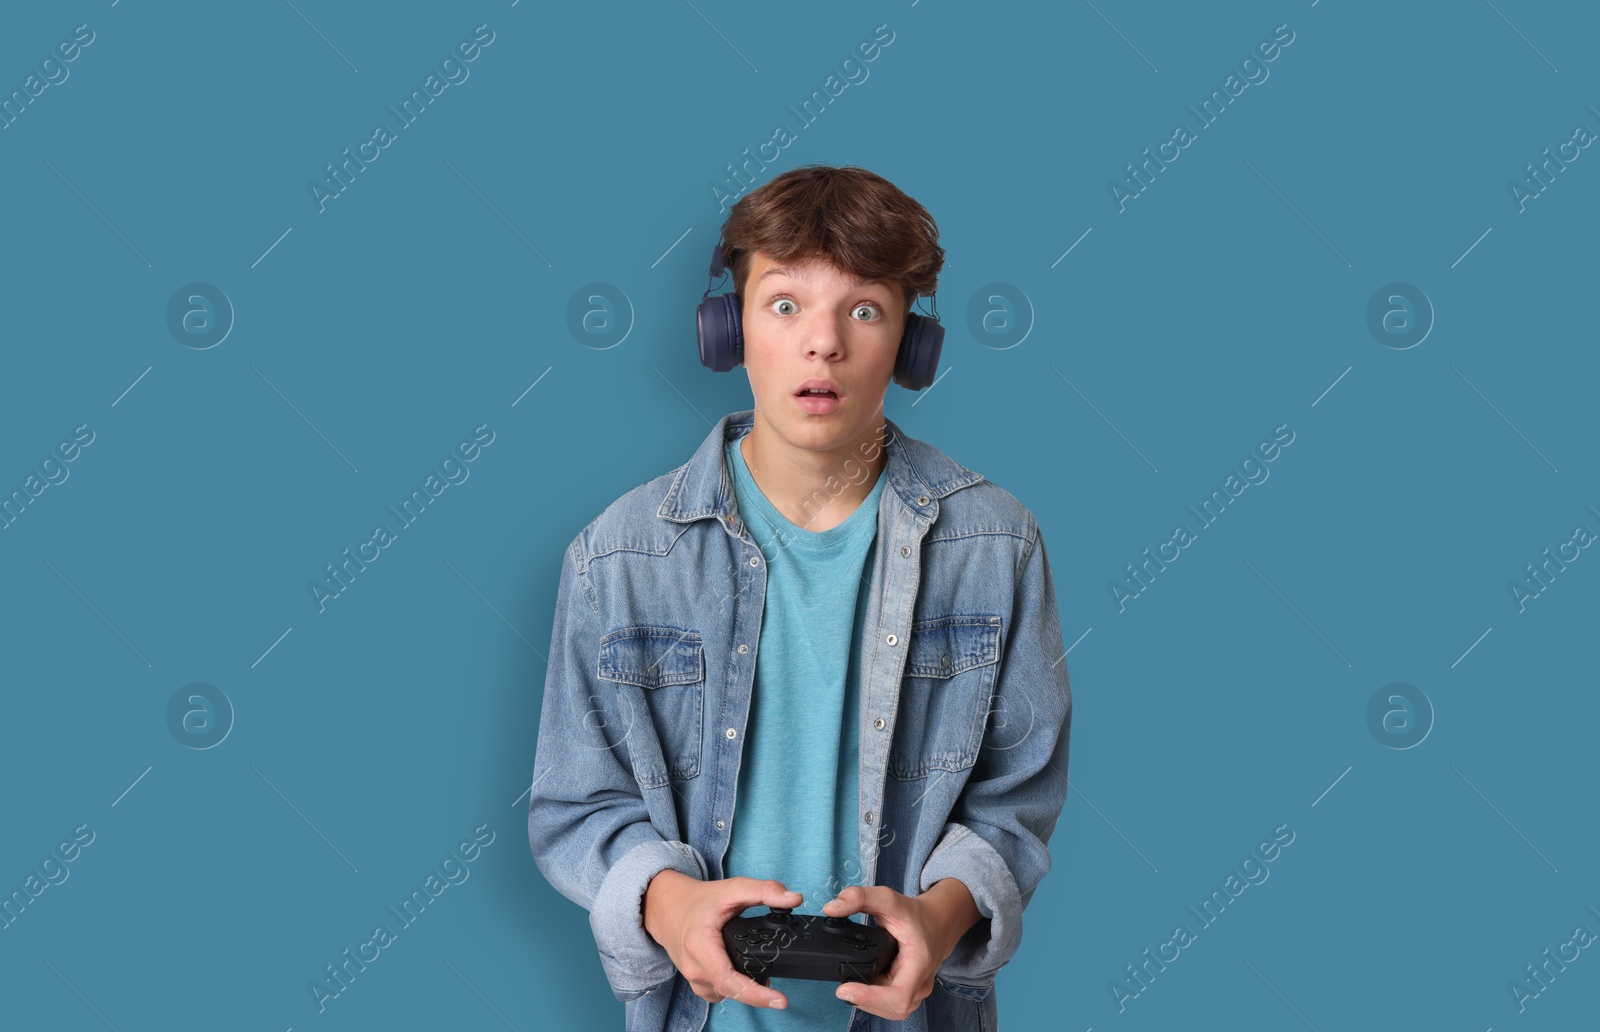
{"type": "Point", "coordinates": [781, 897]}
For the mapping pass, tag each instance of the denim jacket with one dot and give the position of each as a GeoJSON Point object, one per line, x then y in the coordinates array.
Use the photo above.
{"type": "Point", "coordinates": [964, 720]}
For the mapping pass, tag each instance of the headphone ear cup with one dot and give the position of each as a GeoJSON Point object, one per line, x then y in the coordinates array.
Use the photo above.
{"type": "Point", "coordinates": [721, 335]}
{"type": "Point", "coordinates": [920, 346]}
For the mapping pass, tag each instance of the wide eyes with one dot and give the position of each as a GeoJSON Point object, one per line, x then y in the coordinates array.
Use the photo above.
{"type": "Point", "coordinates": [866, 311]}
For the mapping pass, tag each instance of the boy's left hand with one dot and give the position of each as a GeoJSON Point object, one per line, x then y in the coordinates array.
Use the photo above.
{"type": "Point", "coordinates": [924, 941]}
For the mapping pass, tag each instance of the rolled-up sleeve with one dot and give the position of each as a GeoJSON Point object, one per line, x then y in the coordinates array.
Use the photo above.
{"type": "Point", "coordinates": [588, 826]}
{"type": "Point", "coordinates": [996, 840]}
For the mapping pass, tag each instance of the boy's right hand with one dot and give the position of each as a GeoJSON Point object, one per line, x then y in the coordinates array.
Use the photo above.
{"type": "Point", "coordinates": [686, 915]}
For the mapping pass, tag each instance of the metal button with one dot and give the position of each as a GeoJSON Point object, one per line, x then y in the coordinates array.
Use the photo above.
{"type": "Point", "coordinates": [743, 649]}
{"type": "Point", "coordinates": [730, 732]}
{"type": "Point", "coordinates": [944, 660]}
{"type": "Point", "coordinates": [755, 561]}
{"type": "Point", "coordinates": [923, 500]}
{"type": "Point", "coordinates": [868, 816]}
{"type": "Point", "coordinates": [905, 550]}
{"type": "Point", "coordinates": [878, 723]}
{"type": "Point", "coordinates": [891, 639]}
{"type": "Point", "coordinates": [719, 825]}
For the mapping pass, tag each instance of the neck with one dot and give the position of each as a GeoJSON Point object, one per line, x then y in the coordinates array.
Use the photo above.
{"type": "Point", "coordinates": [815, 489]}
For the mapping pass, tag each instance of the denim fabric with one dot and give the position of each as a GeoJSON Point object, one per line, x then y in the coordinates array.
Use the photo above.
{"type": "Point", "coordinates": [652, 660]}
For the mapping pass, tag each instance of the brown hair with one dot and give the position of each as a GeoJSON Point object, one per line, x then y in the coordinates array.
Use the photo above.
{"type": "Point", "coordinates": [853, 219]}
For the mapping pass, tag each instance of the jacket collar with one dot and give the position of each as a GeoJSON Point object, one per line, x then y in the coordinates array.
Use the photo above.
{"type": "Point", "coordinates": [703, 486]}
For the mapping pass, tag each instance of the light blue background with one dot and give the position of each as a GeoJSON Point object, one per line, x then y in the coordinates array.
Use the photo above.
{"type": "Point", "coordinates": [368, 339]}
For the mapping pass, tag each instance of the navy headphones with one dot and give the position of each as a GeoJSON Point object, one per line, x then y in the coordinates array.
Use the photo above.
{"type": "Point", "coordinates": [722, 336]}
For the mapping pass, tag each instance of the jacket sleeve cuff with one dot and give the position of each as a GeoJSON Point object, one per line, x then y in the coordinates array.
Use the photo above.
{"type": "Point", "coordinates": [635, 963]}
{"type": "Point", "coordinates": [988, 944]}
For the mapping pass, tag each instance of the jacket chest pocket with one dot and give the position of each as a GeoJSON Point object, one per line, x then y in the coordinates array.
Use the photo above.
{"type": "Point", "coordinates": [949, 675]}
{"type": "Point", "coordinates": [659, 673]}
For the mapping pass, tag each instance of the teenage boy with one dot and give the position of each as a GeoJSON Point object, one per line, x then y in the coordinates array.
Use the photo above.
{"type": "Point", "coordinates": [876, 619]}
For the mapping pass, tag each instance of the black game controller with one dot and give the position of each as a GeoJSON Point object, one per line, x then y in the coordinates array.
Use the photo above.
{"type": "Point", "coordinates": [783, 944]}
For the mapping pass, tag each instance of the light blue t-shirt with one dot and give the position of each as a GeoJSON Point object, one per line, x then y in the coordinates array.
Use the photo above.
{"type": "Point", "coordinates": [797, 801]}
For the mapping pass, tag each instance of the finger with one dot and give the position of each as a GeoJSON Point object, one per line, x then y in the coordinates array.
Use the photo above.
{"type": "Point", "coordinates": [767, 892]}
{"type": "Point", "coordinates": [892, 994]}
{"type": "Point", "coordinates": [888, 1002]}
{"type": "Point", "coordinates": [852, 899]}
{"type": "Point", "coordinates": [877, 900]}
{"type": "Point", "coordinates": [716, 974]}
{"type": "Point", "coordinates": [735, 986]}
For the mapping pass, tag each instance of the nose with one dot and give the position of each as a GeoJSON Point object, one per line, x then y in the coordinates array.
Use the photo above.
{"type": "Point", "coordinates": [825, 337]}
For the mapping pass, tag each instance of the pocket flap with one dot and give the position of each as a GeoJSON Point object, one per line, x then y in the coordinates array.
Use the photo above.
{"type": "Point", "coordinates": [948, 645]}
{"type": "Point", "coordinates": [652, 657]}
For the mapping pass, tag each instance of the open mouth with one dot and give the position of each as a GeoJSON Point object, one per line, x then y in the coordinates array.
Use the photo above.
{"type": "Point", "coordinates": [818, 401]}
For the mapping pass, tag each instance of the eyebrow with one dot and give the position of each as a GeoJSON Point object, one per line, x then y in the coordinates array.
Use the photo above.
{"type": "Point", "coordinates": [784, 270]}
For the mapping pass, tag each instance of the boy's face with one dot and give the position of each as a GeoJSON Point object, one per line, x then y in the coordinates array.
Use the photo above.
{"type": "Point", "coordinates": [813, 321]}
